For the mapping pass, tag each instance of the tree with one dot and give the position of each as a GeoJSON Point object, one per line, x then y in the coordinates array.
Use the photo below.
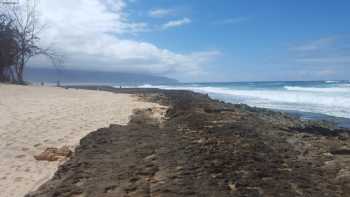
{"type": "Point", "coordinates": [25, 29]}
{"type": "Point", "coordinates": [8, 48]}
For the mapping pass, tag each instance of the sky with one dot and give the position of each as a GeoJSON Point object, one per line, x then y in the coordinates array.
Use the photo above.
{"type": "Point", "coordinates": [202, 40]}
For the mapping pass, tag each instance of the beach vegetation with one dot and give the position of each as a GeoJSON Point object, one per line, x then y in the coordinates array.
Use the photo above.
{"type": "Point", "coordinates": [20, 31]}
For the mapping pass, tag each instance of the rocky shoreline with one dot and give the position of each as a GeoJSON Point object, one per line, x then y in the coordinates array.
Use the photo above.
{"type": "Point", "coordinates": [205, 147]}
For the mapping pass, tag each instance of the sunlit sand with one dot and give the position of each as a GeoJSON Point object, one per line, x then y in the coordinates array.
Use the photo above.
{"type": "Point", "coordinates": [35, 118]}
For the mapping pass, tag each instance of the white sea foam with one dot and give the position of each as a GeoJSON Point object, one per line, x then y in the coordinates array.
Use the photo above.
{"type": "Point", "coordinates": [331, 81]}
{"type": "Point", "coordinates": [345, 89]}
{"type": "Point", "coordinates": [332, 101]}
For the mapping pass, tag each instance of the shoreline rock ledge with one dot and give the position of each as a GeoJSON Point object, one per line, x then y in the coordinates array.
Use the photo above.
{"type": "Point", "coordinates": [204, 147]}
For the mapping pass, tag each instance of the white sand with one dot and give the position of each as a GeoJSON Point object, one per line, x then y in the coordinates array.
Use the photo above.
{"type": "Point", "coordinates": [34, 118]}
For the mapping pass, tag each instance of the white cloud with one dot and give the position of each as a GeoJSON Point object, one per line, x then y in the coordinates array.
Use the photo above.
{"type": "Point", "coordinates": [159, 13]}
{"type": "Point", "coordinates": [328, 51]}
{"type": "Point", "coordinates": [176, 23]}
{"type": "Point", "coordinates": [89, 33]}
{"type": "Point", "coordinates": [231, 21]}
{"type": "Point", "coordinates": [323, 58]}
{"type": "Point", "coordinates": [314, 45]}
{"type": "Point", "coordinates": [332, 60]}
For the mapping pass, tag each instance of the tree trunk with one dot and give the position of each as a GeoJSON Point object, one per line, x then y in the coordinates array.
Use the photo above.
{"type": "Point", "coordinates": [20, 72]}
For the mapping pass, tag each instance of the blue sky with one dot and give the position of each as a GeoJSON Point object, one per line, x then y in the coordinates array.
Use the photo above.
{"type": "Point", "coordinates": [225, 40]}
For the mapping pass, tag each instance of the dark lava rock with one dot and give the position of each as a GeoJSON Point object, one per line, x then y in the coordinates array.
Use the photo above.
{"type": "Point", "coordinates": [341, 151]}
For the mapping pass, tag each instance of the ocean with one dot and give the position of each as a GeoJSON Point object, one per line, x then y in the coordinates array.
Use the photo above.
{"type": "Point", "coordinates": [326, 100]}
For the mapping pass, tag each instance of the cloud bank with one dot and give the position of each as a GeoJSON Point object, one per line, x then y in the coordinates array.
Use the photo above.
{"type": "Point", "coordinates": [89, 33]}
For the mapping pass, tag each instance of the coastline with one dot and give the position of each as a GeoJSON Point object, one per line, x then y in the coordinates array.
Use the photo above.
{"type": "Point", "coordinates": [161, 98]}
{"type": "Point", "coordinates": [319, 97]}
{"type": "Point", "coordinates": [327, 120]}
{"type": "Point", "coordinates": [205, 147]}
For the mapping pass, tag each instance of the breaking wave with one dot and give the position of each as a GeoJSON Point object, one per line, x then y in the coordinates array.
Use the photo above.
{"type": "Point", "coordinates": [334, 101]}
{"type": "Point", "coordinates": [344, 89]}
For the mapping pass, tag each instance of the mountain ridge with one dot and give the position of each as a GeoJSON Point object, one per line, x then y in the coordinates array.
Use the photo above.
{"type": "Point", "coordinates": [50, 75]}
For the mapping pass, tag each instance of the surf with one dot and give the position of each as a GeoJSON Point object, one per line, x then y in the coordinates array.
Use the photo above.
{"type": "Point", "coordinates": [314, 97]}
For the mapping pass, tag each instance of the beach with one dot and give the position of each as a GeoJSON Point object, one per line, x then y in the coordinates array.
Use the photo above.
{"type": "Point", "coordinates": [205, 147]}
{"type": "Point", "coordinates": [35, 118]}
{"type": "Point", "coordinates": [151, 142]}
{"type": "Point", "coordinates": [131, 98]}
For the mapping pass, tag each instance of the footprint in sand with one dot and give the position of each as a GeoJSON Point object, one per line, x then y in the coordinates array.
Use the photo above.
{"type": "Point", "coordinates": [20, 156]}
{"type": "Point", "coordinates": [18, 179]}
{"type": "Point", "coordinates": [37, 145]}
{"type": "Point", "coordinates": [25, 149]}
